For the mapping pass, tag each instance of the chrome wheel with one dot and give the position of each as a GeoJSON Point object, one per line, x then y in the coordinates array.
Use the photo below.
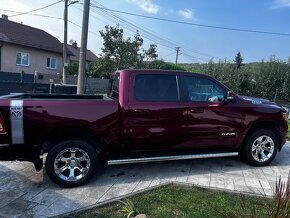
{"type": "Point", "coordinates": [263, 148]}
{"type": "Point", "coordinates": [72, 164]}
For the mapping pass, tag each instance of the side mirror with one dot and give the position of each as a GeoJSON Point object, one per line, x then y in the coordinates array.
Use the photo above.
{"type": "Point", "coordinates": [230, 95]}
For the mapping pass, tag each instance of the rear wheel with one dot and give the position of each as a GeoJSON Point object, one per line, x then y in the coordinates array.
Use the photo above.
{"type": "Point", "coordinates": [71, 163]}
{"type": "Point", "coordinates": [260, 148]}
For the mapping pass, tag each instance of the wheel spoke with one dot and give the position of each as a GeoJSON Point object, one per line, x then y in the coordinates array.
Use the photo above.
{"type": "Point", "coordinates": [83, 158]}
{"type": "Point", "coordinates": [266, 141]}
{"type": "Point", "coordinates": [73, 153]}
{"type": "Point", "coordinates": [256, 155]}
{"type": "Point", "coordinates": [263, 156]}
{"type": "Point", "coordinates": [71, 173]}
{"type": "Point", "coordinates": [59, 171]}
{"type": "Point", "coordinates": [62, 159]}
{"type": "Point", "coordinates": [254, 148]}
{"type": "Point", "coordinates": [269, 149]}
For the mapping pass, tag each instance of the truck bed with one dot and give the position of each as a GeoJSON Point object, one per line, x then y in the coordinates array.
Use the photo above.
{"type": "Point", "coordinates": [54, 96]}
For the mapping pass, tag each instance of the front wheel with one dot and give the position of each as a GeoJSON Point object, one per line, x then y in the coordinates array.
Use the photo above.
{"type": "Point", "coordinates": [71, 163]}
{"type": "Point", "coordinates": [260, 148]}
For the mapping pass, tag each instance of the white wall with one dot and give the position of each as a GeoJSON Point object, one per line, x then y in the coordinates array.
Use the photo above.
{"type": "Point", "coordinates": [37, 59]}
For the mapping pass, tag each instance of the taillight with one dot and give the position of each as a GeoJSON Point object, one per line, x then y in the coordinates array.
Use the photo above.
{"type": "Point", "coordinates": [2, 127]}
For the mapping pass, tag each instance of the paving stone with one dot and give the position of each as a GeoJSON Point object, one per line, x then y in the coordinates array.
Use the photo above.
{"type": "Point", "coordinates": [203, 180]}
{"type": "Point", "coordinates": [8, 196]}
{"type": "Point", "coordinates": [47, 197]}
{"type": "Point", "coordinates": [16, 208]}
{"type": "Point", "coordinates": [122, 187]}
{"type": "Point", "coordinates": [36, 196]}
{"type": "Point", "coordinates": [144, 183]}
{"type": "Point", "coordinates": [60, 206]}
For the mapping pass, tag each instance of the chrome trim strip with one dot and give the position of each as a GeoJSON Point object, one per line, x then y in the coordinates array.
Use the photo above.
{"type": "Point", "coordinates": [16, 117]}
{"type": "Point", "coordinates": [167, 158]}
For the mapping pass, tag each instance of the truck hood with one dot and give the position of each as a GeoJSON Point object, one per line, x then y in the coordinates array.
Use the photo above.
{"type": "Point", "coordinates": [255, 100]}
{"type": "Point", "coordinates": [259, 101]}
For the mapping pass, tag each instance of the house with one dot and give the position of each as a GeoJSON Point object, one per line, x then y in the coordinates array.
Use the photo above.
{"type": "Point", "coordinates": [75, 50]}
{"type": "Point", "coordinates": [24, 49]}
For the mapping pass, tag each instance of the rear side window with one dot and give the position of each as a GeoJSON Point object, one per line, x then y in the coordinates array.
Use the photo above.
{"type": "Point", "coordinates": [114, 92]}
{"type": "Point", "coordinates": [200, 89]}
{"type": "Point", "coordinates": [154, 87]}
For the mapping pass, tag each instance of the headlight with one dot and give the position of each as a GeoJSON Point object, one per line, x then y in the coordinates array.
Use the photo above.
{"type": "Point", "coordinates": [284, 114]}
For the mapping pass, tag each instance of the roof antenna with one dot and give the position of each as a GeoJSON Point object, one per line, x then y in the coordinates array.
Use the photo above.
{"type": "Point", "coordinates": [21, 22]}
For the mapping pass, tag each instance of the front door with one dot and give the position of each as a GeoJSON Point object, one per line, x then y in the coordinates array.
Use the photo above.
{"type": "Point", "coordinates": [212, 122]}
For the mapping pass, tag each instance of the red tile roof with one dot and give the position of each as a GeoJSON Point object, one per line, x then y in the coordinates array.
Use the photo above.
{"type": "Point", "coordinates": [20, 34]}
{"type": "Point", "coordinates": [76, 52]}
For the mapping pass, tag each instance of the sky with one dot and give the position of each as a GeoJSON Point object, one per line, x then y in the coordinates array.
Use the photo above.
{"type": "Point", "coordinates": [197, 44]}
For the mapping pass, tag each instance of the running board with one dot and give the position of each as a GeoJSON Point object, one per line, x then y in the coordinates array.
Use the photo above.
{"type": "Point", "coordinates": [167, 158]}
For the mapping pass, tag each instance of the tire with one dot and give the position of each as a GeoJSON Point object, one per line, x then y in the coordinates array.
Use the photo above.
{"type": "Point", "coordinates": [260, 148]}
{"type": "Point", "coordinates": [71, 163]}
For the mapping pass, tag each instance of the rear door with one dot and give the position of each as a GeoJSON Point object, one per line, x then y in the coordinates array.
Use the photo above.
{"type": "Point", "coordinates": [156, 114]}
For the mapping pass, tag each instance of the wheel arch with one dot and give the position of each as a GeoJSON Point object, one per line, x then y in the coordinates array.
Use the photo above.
{"type": "Point", "coordinates": [270, 125]}
{"type": "Point", "coordinates": [75, 132]}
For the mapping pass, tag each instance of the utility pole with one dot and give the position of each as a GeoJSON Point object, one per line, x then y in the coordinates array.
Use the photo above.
{"type": "Point", "coordinates": [83, 49]}
{"type": "Point", "coordinates": [64, 52]}
{"type": "Point", "coordinates": [177, 53]}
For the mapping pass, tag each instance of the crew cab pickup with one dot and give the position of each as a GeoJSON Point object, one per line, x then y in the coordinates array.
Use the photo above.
{"type": "Point", "coordinates": [148, 115]}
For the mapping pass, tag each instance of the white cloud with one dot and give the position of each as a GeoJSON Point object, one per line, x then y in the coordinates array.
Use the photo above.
{"type": "Point", "coordinates": [281, 4]}
{"type": "Point", "coordinates": [147, 6]}
{"type": "Point", "coordinates": [186, 13]}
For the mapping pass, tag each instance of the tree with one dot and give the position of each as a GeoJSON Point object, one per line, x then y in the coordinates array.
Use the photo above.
{"type": "Point", "coordinates": [160, 64]}
{"type": "Point", "coordinates": [124, 53]}
{"type": "Point", "coordinates": [239, 60]}
{"type": "Point", "coordinates": [103, 67]}
{"type": "Point", "coordinates": [73, 68]}
{"type": "Point", "coordinates": [151, 53]}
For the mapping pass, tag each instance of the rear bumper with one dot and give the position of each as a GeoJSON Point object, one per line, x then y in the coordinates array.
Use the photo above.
{"type": "Point", "coordinates": [6, 152]}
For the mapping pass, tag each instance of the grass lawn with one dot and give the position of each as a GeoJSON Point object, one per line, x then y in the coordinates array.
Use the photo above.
{"type": "Point", "coordinates": [180, 201]}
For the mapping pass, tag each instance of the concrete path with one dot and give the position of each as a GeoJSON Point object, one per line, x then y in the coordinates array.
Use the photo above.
{"type": "Point", "coordinates": [26, 193]}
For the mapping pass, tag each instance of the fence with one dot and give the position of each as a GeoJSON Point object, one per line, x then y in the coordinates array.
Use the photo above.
{"type": "Point", "coordinates": [24, 83]}
{"type": "Point", "coordinates": [16, 87]}
{"type": "Point", "coordinates": [16, 77]}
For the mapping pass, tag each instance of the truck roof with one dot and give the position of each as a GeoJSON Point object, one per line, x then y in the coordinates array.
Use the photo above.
{"type": "Point", "coordinates": [160, 71]}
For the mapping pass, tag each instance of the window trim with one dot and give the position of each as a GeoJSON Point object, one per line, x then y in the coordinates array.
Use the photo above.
{"type": "Point", "coordinates": [51, 68]}
{"type": "Point", "coordinates": [28, 59]}
{"type": "Point", "coordinates": [151, 74]}
{"type": "Point", "coordinates": [185, 90]}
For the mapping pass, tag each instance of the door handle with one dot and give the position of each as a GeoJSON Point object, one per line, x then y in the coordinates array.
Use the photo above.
{"type": "Point", "coordinates": [196, 110]}
{"type": "Point", "coordinates": [141, 111]}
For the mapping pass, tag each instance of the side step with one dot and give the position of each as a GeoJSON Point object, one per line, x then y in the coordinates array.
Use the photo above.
{"type": "Point", "coordinates": [167, 158]}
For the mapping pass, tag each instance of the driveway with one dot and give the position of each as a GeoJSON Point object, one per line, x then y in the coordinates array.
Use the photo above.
{"type": "Point", "coordinates": [26, 193]}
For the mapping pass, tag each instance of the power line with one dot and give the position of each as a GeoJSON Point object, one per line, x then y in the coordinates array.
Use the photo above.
{"type": "Point", "coordinates": [27, 12]}
{"type": "Point", "coordinates": [195, 24]}
{"type": "Point", "coordinates": [156, 38]}
{"type": "Point", "coordinates": [169, 55]}
{"type": "Point", "coordinates": [52, 17]}
{"type": "Point", "coordinates": [39, 15]}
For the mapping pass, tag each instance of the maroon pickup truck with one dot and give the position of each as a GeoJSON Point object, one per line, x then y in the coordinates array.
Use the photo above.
{"type": "Point", "coordinates": [148, 115]}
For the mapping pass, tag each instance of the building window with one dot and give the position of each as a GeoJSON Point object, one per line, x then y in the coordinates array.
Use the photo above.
{"type": "Point", "coordinates": [51, 63]}
{"type": "Point", "coordinates": [22, 59]}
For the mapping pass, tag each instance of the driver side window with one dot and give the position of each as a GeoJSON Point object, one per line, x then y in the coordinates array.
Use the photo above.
{"type": "Point", "coordinates": [200, 89]}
